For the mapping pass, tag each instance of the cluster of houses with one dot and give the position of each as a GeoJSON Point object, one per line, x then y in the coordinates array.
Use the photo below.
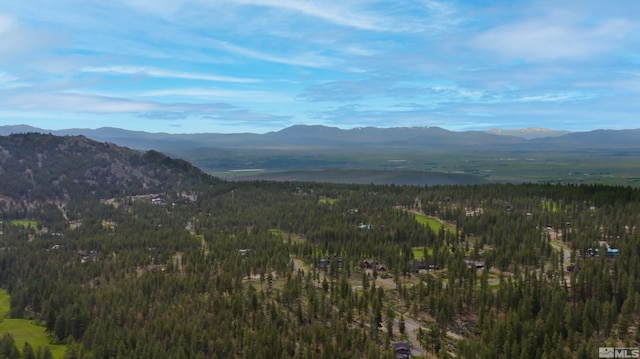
{"type": "Point", "coordinates": [595, 253]}
{"type": "Point", "coordinates": [366, 264]}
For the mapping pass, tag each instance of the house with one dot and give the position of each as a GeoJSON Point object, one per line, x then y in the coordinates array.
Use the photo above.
{"type": "Point", "coordinates": [325, 263]}
{"type": "Point", "coordinates": [417, 266]}
{"type": "Point", "coordinates": [372, 264]}
{"type": "Point", "coordinates": [364, 226]}
{"type": "Point", "coordinates": [368, 263]}
{"type": "Point", "coordinates": [402, 350]}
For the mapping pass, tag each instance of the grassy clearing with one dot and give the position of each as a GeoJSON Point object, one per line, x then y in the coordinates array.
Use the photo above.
{"type": "Point", "coordinates": [23, 330]}
{"type": "Point", "coordinates": [418, 252]}
{"type": "Point", "coordinates": [433, 223]}
{"type": "Point", "coordinates": [24, 223]}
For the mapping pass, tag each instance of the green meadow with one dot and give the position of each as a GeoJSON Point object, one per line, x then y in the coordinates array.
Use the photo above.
{"type": "Point", "coordinates": [433, 223]}
{"type": "Point", "coordinates": [23, 330]}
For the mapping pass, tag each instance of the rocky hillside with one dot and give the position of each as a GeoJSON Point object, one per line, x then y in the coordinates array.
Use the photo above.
{"type": "Point", "coordinates": [42, 167]}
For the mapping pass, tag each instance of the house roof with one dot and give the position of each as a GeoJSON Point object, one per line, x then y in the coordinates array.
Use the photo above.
{"type": "Point", "coordinates": [401, 346]}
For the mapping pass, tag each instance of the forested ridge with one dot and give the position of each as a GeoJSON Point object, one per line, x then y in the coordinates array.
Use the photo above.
{"type": "Point", "coordinates": [37, 168]}
{"type": "Point", "coordinates": [216, 269]}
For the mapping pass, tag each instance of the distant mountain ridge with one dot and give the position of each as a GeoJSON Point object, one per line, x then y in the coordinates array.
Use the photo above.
{"type": "Point", "coordinates": [327, 137]}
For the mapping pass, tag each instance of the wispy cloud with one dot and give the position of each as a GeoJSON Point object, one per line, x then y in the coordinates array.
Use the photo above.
{"type": "Point", "coordinates": [554, 37]}
{"type": "Point", "coordinates": [393, 17]}
{"type": "Point", "coordinates": [223, 94]}
{"type": "Point", "coordinates": [154, 72]}
{"type": "Point", "coordinates": [110, 105]}
{"type": "Point", "coordinates": [308, 59]}
{"type": "Point", "coordinates": [329, 11]}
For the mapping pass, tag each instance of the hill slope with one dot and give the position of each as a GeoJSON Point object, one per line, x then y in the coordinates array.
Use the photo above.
{"type": "Point", "coordinates": [38, 167]}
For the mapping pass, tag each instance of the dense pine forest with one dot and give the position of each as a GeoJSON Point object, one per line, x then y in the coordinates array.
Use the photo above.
{"type": "Point", "coordinates": [212, 269]}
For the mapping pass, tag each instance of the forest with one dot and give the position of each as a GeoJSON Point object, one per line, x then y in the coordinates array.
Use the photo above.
{"type": "Point", "coordinates": [315, 270]}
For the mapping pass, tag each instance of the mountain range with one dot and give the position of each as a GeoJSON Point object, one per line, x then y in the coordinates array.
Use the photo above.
{"type": "Point", "coordinates": [398, 138]}
{"type": "Point", "coordinates": [532, 154]}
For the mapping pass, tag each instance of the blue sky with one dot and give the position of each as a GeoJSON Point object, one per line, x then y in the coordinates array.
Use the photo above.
{"type": "Point", "coordinates": [190, 66]}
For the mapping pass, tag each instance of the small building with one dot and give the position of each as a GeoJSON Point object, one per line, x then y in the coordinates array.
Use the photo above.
{"type": "Point", "coordinates": [368, 263]}
{"type": "Point", "coordinates": [325, 263]}
{"type": "Point", "coordinates": [417, 266]}
{"type": "Point", "coordinates": [373, 264]}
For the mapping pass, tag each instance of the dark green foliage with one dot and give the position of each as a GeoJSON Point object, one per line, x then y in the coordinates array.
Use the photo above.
{"type": "Point", "coordinates": [8, 347]}
{"type": "Point", "coordinates": [137, 280]}
{"type": "Point", "coordinates": [27, 351]}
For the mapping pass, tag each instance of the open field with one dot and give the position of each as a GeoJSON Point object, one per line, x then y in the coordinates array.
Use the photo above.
{"type": "Point", "coordinates": [418, 252]}
{"type": "Point", "coordinates": [410, 168]}
{"type": "Point", "coordinates": [24, 330]}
